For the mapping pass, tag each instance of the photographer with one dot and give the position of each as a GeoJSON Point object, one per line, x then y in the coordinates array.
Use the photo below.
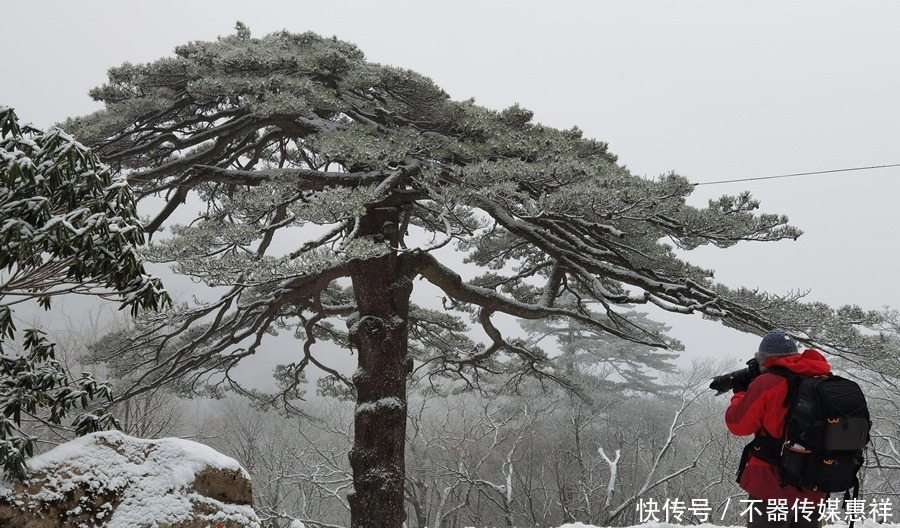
{"type": "Point", "coordinates": [758, 408]}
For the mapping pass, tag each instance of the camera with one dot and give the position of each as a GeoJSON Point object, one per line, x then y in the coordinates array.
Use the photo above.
{"type": "Point", "coordinates": [740, 378]}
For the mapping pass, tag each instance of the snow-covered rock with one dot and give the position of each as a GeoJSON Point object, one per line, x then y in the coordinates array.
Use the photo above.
{"type": "Point", "coordinates": [112, 480]}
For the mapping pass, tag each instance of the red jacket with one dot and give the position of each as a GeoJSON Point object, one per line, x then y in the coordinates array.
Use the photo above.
{"type": "Point", "coordinates": [761, 410]}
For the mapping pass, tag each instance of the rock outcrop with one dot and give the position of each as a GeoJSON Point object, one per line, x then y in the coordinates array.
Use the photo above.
{"type": "Point", "coordinates": [112, 480]}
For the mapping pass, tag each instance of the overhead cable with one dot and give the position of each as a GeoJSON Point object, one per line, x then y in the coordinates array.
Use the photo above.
{"type": "Point", "coordinates": [871, 167]}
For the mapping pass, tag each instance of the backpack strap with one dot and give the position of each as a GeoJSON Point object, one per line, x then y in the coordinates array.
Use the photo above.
{"type": "Point", "coordinates": [763, 447]}
{"type": "Point", "coordinates": [793, 380]}
{"type": "Point", "coordinates": [847, 496]}
{"type": "Point", "coordinates": [745, 457]}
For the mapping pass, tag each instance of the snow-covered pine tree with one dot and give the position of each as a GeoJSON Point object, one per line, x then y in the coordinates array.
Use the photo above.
{"type": "Point", "coordinates": [67, 226]}
{"type": "Point", "coordinates": [603, 361]}
{"type": "Point", "coordinates": [313, 185]}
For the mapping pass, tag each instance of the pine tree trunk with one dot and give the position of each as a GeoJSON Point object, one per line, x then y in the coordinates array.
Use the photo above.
{"type": "Point", "coordinates": [379, 334]}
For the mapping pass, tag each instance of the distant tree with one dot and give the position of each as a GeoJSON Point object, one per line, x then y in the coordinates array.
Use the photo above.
{"type": "Point", "coordinates": [67, 225]}
{"type": "Point", "coordinates": [881, 474]}
{"type": "Point", "coordinates": [298, 466]}
{"type": "Point", "coordinates": [314, 187]}
{"type": "Point", "coordinates": [605, 361]}
{"type": "Point", "coordinates": [528, 457]}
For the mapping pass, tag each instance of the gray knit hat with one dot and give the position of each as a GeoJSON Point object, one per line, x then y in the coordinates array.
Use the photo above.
{"type": "Point", "coordinates": [776, 343]}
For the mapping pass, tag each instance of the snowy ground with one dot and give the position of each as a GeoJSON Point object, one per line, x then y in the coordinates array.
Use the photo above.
{"type": "Point", "coordinates": [864, 524]}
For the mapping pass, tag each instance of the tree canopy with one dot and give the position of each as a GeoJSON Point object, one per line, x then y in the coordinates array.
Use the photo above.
{"type": "Point", "coordinates": [312, 186]}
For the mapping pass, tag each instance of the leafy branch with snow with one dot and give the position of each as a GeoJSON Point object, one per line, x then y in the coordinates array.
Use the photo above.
{"type": "Point", "coordinates": [68, 225]}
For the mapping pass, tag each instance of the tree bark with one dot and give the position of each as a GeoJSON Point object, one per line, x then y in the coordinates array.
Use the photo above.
{"type": "Point", "coordinates": [379, 333]}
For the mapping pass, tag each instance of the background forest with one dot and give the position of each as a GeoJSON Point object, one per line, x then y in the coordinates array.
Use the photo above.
{"type": "Point", "coordinates": [506, 455]}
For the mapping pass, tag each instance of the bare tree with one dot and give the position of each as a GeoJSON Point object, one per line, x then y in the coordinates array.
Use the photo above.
{"type": "Point", "coordinates": [297, 463]}
{"type": "Point", "coordinates": [880, 381]}
{"type": "Point", "coordinates": [437, 431]}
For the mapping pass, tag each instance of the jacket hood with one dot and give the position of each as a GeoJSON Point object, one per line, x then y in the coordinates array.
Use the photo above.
{"type": "Point", "coordinates": [809, 363]}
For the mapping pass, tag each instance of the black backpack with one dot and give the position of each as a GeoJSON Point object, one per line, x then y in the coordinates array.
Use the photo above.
{"type": "Point", "coordinates": [826, 429]}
